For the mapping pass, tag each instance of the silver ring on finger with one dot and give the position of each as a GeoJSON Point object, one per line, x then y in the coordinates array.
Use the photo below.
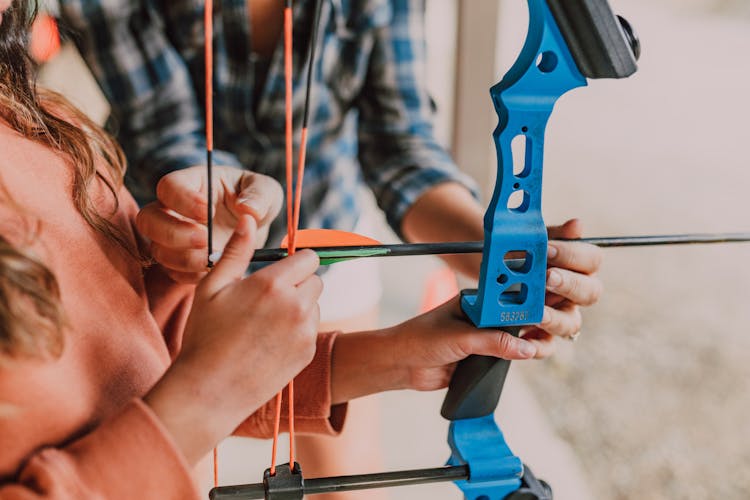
{"type": "Point", "coordinates": [573, 337]}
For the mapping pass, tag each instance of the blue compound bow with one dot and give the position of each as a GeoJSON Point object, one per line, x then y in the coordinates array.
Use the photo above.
{"type": "Point", "coordinates": [568, 41]}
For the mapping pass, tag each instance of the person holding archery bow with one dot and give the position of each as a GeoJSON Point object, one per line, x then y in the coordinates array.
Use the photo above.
{"type": "Point", "coordinates": [370, 124]}
{"type": "Point", "coordinates": [114, 379]}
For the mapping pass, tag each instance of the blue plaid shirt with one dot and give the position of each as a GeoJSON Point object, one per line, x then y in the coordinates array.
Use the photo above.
{"type": "Point", "coordinates": [371, 115]}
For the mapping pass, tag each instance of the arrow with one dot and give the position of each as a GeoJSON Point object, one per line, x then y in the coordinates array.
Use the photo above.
{"type": "Point", "coordinates": [338, 253]}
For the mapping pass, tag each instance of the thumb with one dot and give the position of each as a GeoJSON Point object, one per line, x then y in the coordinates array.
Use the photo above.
{"type": "Point", "coordinates": [235, 258]}
{"type": "Point", "coordinates": [571, 229]}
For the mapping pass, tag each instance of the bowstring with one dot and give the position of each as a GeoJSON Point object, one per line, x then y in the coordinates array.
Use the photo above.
{"type": "Point", "coordinates": [294, 190]}
{"type": "Point", "coordinates": [293, 196]}
{"type": "Point", "coordinates": [208, 27]}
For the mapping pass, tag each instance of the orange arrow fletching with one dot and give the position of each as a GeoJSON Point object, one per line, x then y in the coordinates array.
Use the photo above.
{"type": "Point", "coordinates": [314, 238]}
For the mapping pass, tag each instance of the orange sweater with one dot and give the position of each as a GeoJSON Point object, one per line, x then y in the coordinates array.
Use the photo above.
{"type": "Point", "coordinates": [75, 427]}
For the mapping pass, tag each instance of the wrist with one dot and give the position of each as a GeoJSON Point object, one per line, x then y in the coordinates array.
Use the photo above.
{"type": "Point", "coordinates": [366, 363]}
{"type": "Point", "coordinates": [190, 411]}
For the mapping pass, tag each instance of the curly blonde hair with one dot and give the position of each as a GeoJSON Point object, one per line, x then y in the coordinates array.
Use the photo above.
{"type": "Point", "coordinates": [47, 118]}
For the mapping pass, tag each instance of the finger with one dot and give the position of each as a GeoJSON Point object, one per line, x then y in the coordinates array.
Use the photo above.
{"type": "Point", "coordinates": [553, 300]}
{"type": "Point", "coordinates": [259, 196]}
{"type": "Point", "coordinates": [498, 344]}
{"type": "Point", "coordinates": [235, 259]}
{"type": "Point", "coordinates": [183, 261]}
{"type": "Point", "coordinates": [563, 321]}
{"type": "Point", "coordinates": [571, 229]}
{"type": "Point", "coordinates": [543, 341]}
{"type": "Point", "coordinates": [575, 256]}
{"type": "Point", "coordinates": [291, 270]}
{"type": "Point", "coordinates": [158, 225]}
{"type": "Point", "coordinates": [184, 191]}
{"type": "Point", "coordinates": [576, 287]}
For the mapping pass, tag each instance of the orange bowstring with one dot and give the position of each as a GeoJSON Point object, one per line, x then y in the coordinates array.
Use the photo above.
{"type": "Point", "coordinates": [293, 199]}
{"type": "Point", "coordinates": [292, 205]}
{"type": "Point", "coordinates": [209, 44]}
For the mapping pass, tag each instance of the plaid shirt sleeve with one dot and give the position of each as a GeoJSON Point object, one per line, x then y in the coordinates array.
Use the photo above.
{"type": "Point", "coordinates": [398, 151]}
{"type": "Point", "coordinates": [155, 112]}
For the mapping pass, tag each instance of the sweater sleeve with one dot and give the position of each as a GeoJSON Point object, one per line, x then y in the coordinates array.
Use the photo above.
{"type": "Point", "coordinates": [313, 411]}
{"type": "Point", "coordinates": [124, 457]}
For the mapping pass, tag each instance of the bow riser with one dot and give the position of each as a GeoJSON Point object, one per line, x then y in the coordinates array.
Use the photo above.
{"type": "Point", "coordinates": [511, 295]}
{"type": "Point", "coordinates": [513, 224]}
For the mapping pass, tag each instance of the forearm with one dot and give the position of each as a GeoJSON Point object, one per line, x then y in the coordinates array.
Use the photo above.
{"type": "Point", "coordinates": [188, 409]}
{"type": "Point", "coordinates": [366, 363]}
{"type": "Point", "coordinates": [447, 212]}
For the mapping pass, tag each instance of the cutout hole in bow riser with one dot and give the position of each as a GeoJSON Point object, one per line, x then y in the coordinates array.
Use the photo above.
{"type": "Point", "coordinates": [518, 148]}
{"type": "Point", "coordinates": [514, 295]}
{"type": "Point", "coordinates": [518, 261]}
{"type": "Point", "coordinates": [546, 61]}
{"type": "Point", "coordinates": [518, 201]}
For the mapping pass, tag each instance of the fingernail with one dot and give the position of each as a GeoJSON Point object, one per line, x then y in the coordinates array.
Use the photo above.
{"type": "Point", "coordinates": [554, 279]}
{"type": "Point", "coordinates": [527, 349]}
{"type": "Point", "coordinates": [551, 251]}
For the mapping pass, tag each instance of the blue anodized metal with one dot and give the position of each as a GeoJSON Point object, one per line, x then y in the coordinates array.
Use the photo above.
{"type": "Point", "coordinates": [494, 470]}
{"type": "Point", "coordinates": [524, 99]}
{"type": "Point", "coordinates": [513, 223]}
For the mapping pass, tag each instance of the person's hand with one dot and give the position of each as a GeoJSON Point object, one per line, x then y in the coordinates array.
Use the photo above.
{"type": "Point", "coordinates": [571, 282]}
{"type": "Point", "coordinates": [244, 340]}
{"type": "Point", "coordinates": [419, 354]}
{"type": "Point", "coordinates": [176, 223]}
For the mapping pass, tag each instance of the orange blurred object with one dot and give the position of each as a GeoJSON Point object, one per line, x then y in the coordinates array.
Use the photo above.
{"type": "Point", "coordinates": [45, 38]}
{"type": "Point", "coordinates": [314, 238]}
{"type": "Point", "coordinates": [440, 286]}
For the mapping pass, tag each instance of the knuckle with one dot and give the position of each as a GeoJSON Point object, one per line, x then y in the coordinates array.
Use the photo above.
{"type": "Point", "coordinates": [296, 310]}
{"type": "Point", "coordinates": [566, 257]}
{"type": "Point", "coordinates": [505, 343]}
{"type": "Point", "coordinates": [266, 283]}
{"type": "Point", "coordinates": [572, 285]}
{"type": "Point", "coordinates": [170, 235]}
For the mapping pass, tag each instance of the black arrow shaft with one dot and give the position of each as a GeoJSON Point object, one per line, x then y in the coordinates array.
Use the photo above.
{"type": "Point", "coordinates": [460, 247]}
